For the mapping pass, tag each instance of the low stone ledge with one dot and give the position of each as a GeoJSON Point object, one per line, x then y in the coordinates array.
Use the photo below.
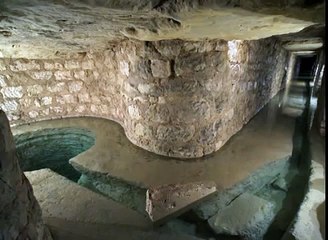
{"type": "Point", "coordinates": [247, 216]}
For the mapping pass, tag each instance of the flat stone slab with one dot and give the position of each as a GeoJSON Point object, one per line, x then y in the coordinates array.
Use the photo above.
{"type": "Point", "coordinates": [63, 199]}
{"type": "Point", "coordinates": [170, 200]}
{"type": "Point", "coordinates": [68, 230]}
{"type": "Point", "coordinates": [247, 216]}
{"type": "Point", "coordinates": [293, 112]}
{"type": "Point", "coordinates": [265, 139]}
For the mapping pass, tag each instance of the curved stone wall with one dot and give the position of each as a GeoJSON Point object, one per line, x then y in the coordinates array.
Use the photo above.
{"type": "Point", "coordinates": [175, 98]}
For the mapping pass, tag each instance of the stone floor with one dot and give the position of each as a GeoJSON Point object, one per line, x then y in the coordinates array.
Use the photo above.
{"type": "Point", "coordinates": [61, 198]}
{"type": "Point", "coordinates": [72, 230]}
{"type": "Point", "coordinates": [73, 212]}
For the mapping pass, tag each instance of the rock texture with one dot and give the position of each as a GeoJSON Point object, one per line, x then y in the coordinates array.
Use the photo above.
{"type": "Point", "coordinates": [172, 200]}
{"type": "Point", "coordinates": [47, 29]}
{"type": "Point", "coordinates": [175, 98]}
{"type": "Point", "coordinates": [20, 213]}
{"type": "Point", "coordinates": [248, 216]}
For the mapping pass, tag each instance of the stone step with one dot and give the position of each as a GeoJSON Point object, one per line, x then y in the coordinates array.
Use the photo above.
{"type": "Point", "coordinates": [64, 199]}
{"type": "Point", "coordinates": [292, 111]}
{"type": "Point", "coordinates": [295, 105]}
{"type": "Point", "coordinates": [168, 201]}
{"type": "Point", "coordinates": [70, 230]}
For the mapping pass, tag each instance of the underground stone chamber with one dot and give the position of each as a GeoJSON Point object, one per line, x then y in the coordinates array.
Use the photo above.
{"type": "Point", "coordinates": [195, 106]}
{"type": "Point", "coordinates": [52, 148]}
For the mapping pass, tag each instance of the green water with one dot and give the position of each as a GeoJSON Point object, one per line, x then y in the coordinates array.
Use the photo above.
{"type": "Point", "coordinates": [52, 148]}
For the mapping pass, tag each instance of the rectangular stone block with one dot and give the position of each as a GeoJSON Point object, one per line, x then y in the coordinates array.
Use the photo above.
{"type": "Point", "coordinates": [43, 75]}
{"type": "Point", "coordinates": [72, 64]}
{"type": "Point", "coordinates": [12, 92]}
{"type": "Point", "coordinates": [63, 75]}
{"type": "Point", "coordinates": [80, 75]}
{"type": "Point", "coordinates": [9, 106]}
{"type": "Point", "coordinates": [95, 100]}
{"type": "Point", "coordinates": [58, 87]}
{"type": "Point", "coordinates": [174, 199]}
{"type": "Point", "coordinates": [160, 68]}
{"type": "Point", "coordinates": [53, 66]}
{"type": "Point", "coordinates": [84, 98]}
{"type": "Point", "coordinates": [80, 109]}
{"type": "Point", "coordinates": [3, 81]}
{"type": "Point", "coordinates": [46, 101]}
{"type": "Point", "coordinates": [65, 99]}
{"type": "Point", "coordinates": [75, 86]}
{"type": "Point", "coordinates": [24, 65]}
{"type": "Point", "coordinates": [57, 109]}
{"type": "Point", "coordinates": [33, 114]}
{"type": "Point", "coordinates": [34, 90]}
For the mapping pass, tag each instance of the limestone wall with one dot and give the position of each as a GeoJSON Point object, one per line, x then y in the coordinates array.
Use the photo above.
{"type": "Point", "coordinates": [176, 98]}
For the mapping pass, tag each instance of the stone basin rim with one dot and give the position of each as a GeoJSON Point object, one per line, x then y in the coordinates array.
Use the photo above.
{"type": "Point", "coordinates": [165, 157]}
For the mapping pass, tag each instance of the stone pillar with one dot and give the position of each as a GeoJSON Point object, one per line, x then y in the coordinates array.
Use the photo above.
{"type": "Point", "coordinates": [186, 99]}
{"type": "Point", "coordinates": [20, 213]}
{"type": "Point", "coordinates": [289, 76]}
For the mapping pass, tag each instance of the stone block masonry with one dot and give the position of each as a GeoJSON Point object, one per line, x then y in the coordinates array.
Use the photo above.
{"type": "Point", "coordinates": [176, 98]}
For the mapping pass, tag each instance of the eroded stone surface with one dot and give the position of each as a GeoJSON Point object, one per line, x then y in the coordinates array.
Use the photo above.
{"type": "Point", "coordinates": [172, 97]}
{"type": "Point", "coordinates": [53, 28]}
{"type": "Point", "coordinates": [20, 216]}
{"type": "Point", "coordinates": [170, 200]}
{"type": "Point", "coordinates": [248, 216]}
{"type": "Point", "coordinates": [63, 199]}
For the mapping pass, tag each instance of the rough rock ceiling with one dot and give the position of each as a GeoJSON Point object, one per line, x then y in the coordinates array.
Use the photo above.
{"type": "Point", "coordinates": [46, 29]}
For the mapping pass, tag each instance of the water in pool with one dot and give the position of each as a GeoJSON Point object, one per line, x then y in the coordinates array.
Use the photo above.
{"type": "Point", "coordinates": [52, 148]}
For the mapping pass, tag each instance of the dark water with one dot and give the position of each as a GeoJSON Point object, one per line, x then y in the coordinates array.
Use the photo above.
{"type": "Point", "coordinates": [52, 148]}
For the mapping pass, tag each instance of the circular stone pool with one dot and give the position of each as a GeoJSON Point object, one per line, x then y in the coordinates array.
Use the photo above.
{"type": "Point", "coordinates": [52, 148]}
